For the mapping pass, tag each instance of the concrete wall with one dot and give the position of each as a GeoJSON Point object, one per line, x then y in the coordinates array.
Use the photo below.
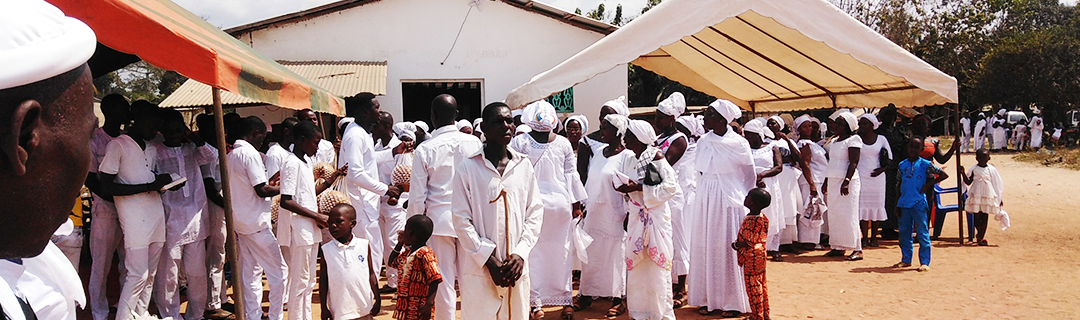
{"type": "Point", "coordinates": [501, 45]}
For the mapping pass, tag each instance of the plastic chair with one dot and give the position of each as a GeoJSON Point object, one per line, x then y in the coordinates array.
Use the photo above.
{"type": "Point", "coordinates": [943, 209]}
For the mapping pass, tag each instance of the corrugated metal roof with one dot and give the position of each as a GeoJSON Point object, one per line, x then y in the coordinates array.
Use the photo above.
{"type": "Point", "coordinates": [341, 78]}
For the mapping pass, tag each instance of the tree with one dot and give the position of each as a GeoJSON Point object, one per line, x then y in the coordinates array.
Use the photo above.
{"type": "Point", "coordinates": [597, 14]}
{"type": "Point", "coordinates": [140, 80]}
{"type": "Point", "coordinates": [618, 18]}
{"type": "Point", "coordinates": [649, 4]}
{"type": "Point", "coordinates": [1041, 67]}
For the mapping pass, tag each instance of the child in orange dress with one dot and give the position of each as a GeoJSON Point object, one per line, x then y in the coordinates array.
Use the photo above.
{"type": "Point", "coordinates": [751, 247]}
{"type": "Point", "coordinates": [419, 278]}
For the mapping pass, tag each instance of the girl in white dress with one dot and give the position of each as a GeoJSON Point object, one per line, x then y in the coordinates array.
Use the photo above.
{"type": "Point", "coordinates": [842, 188]}
{"type": "Point", "coordinates": [984, 195]}
{"type": "Point", "coordinates": [875, 156]}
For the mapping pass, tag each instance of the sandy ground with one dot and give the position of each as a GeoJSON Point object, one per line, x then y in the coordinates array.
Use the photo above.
{"type": "Point", "coordinates": [1030, 271]}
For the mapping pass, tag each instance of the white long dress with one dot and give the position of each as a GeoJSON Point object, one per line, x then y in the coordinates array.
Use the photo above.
{"type": "Point", "coordinates": [872, 189]}
{"type": "Point", "coordinates": [763, 160]}
{"type": "Point", "coordinates": [727, 173]}
{"type": "Point", "coordinates": [1037, 127]}
{"type": "Point", "coordinates": [560, 186]}
{"type": "Point", "coordinates": [649, 246]}
{"type": "Point", "coordinates": [495, 213]}
{"type": "Point", "coordinates": [843, 214]}
{"type": "Point", "coordinates": [605, 273]}
{"type": "Point", "coordinates": [680, 225]}
{"type": "Point", "coordinates": [999, 134]}
{"type": "Point", "coordinates": [818, 162]}
{"type": "Point", "coordinates": [980, 135]}
{"type": "Point", "coordinates": [789, 201]}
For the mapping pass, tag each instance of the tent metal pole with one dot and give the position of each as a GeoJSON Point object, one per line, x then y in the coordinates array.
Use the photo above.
{"type": "Point", "coordinates": [959, 178]}
{"type": "Point", "coordinates": [230, 242]}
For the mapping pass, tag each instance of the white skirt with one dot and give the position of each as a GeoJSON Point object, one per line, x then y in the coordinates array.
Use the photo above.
{"type": "Point", "coordinates": [872, 198]}
{"type": "Point", "coordinates": [843, 215]}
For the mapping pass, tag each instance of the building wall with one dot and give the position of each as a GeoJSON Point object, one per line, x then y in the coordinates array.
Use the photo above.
{"type": "Point", "coordinates": [501, 45]}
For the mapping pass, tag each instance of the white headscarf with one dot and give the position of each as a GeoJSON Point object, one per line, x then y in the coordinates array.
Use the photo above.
{"type": "Point", "coordinates": [836, 114]}
{"type": "Point", "coordinates": [463, 124]}
{"type": "Point", "coordinates": [581, 120]}
{"type": "Point", "coordinates": [540, 116]}
{"type": "Point", "coordinates": [727, 109]}
{"type": "Point", "coordinates": [618, 121]}
{"type": "Point", "coordinates": [758, 126]}
{"type": "Point", "coordinates": [476, 123]}
{"type": "Point", "coordinates": [643, 130]}
{"type": "Point", "coordinates": [345, 121]}
{"type": "Point", "coordinates": [422, 125]}
{"type": "Point", "coordinates": [674, 105]}
{"type": "Point", "coordinates": [515, 112]}
{"type": "Point", "coordinates": [1001, 112]}
{"type": "Point", "coordinates": [38, 42]}
{"type": "Point", "coordinates": [522, 129]}
{"type": "Point", "coordinates": [872, 118]}
{"type": "Point", "coordinates": [852, 121]}
{"type": "Point", "coordinates": [693, 124]}
{"type": "Point", "coordinates": [779, 121]}
{"type": "Point", "coordinates": [405, 129]}
{"type": "Point", "coordinates": [619, 104]}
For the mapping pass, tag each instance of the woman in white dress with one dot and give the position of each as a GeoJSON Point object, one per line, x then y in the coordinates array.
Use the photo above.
{"type": "Point", "coordinates": [649, 247]}
{"type": "Point", "coordinates": [767, 164]}
{"type": "Point", "coordinates": [554, 163]}
{"type": "Point", "coordinates": [789, 201]}
{"type": "Point", "coordinates": [674, 144]}
{"type": "Point", "coordinates": [605, 273]}
{"type": "Point", "coordinates": [842, 188]}
{"type": "Point", "coordinates": [727, 174]}
{"type": "Point", "coordinates": [813, 160]}
{"type": "Point", "coordinates": [875, 156]}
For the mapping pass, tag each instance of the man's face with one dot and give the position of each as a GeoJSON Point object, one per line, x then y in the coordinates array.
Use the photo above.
{"type": "Point", "coordinates": [37, 202]}
{"type": "Point", "coordinates": [174, 132]}
{"type": "Point", "coordinates": [500, 129]}
{"type": "Point", "coordinates": [310, 145]}
{"type": "Point", "coordinates": [375, 109]}
{"type": "Point", "coordinates": [306, 115]}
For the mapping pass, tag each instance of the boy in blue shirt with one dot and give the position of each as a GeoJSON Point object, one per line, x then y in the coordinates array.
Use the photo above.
{"type": "Point", "coordinates": [917, 177]}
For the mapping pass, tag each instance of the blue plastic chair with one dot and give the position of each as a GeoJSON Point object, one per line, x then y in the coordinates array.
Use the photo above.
{"type": "Point", "coordinates": [943, 209]}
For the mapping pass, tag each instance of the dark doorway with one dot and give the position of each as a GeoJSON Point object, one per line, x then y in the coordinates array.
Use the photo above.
{"type": "Point", "coordinates": [416, 99]}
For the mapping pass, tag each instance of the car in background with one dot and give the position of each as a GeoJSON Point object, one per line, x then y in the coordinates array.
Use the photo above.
{"type": "Point", "coordinates": [1014, 117]}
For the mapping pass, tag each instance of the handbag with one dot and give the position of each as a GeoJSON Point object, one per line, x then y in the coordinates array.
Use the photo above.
{"type": "Point", "coordinates": [652, 175]}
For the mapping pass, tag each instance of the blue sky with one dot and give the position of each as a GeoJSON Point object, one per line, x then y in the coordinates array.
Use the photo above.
{"type": "Point", "coordinates": [231, 13]}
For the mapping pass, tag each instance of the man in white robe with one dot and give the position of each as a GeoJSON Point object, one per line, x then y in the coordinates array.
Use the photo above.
{"type": "Point", "coordinates": [998, 124]}
{"type": "Point", "coordinates": [980, 132]}
{"type": "Point", "coordinates": [965, 134]}
{"type": "Point", "coordinates": [497, 213]}
{"type": "Point", "coordinates": [431, 193]}
{"type": "Point", "coordinates": [326, 151]}
{"type": "Point", "coordinates": [1037, 126]}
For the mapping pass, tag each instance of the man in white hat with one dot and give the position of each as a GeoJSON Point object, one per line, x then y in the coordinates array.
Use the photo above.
{"type": "Point", "coordinates": [46, 103]}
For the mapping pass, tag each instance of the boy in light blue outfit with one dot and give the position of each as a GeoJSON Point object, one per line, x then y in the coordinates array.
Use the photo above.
{"type": "Point", "coordinates": [917, 177]}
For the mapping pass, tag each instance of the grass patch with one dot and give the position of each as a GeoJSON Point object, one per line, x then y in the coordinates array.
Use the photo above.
{"type": "Point", "coordinates": [1065, 158]}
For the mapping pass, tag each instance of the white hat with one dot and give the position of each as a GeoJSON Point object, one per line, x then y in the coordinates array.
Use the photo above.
{"type": "Point", "coordinates": [540, 116]}
{"type": "Point", "coordinates": [515, 112]}
{"type": "Point", "coordinates": [422, 125]}
{"type": "Point", "coordinates": [618, 121]}
{"type": "Point", "coordinates": [693, 124]}
{"type": "Point", "coordinates": [779, 121]}
{"type": "Point", "coordinates": [1001, 111]}
{"type": "Point", "coordinates": [727, 109]}
{"type": "Point", "coordinates": [757, 126]}
{"type": "Point", "coordinates": [405, 129]}
{"type": "Point", "coordinates": [619, 104]}
{"type": "Point", "coordinates": [850, 119]}
{"type": "Point", "coordinates": [872, 118]}
{"type": "Point", "coordinates": [836, 114]}
{"type": "Point", "coordinates": [463, 124]}
{"type": "Point", "coordinates": [643, 130]}
{"type": "Point", "coordinates": [674, 105]}
{"type": "Point", "coordinates": [38, 42]}
{"type": "Point", "coordinates": [581, 120]}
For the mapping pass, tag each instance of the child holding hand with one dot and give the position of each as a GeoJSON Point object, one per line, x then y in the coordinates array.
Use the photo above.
{"type": "Point", "coordinates": [419, 277]}
{"type": "Point", "coordinates": [984, 195]}
{"type": "Point", "coordinates": [750, 245]}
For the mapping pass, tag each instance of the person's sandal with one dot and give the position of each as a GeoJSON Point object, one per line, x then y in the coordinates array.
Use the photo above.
{"type": "Point", "coordinates": [582, 303]}
{"type": "Point", "coordinates": [679, 300]}
{"type": "Point", "coordinates": [567, 313]}
{"type": "Point", "coordinates": [704, 311]}
{"type": "Point", "coordinates": [855, 256]}
{"type": "Point", "coordinates": [983, 243]}
{"type": "Point", "coordinates": [537, 314]}
{"type": "Point", "coordinates": [730, 314]}
{"type": "Point", "coordinates": [901, 264]}
{"type": "Point", "coordinates": [835, 253]}
{"type": "Point", "coordinates": [617, 310]}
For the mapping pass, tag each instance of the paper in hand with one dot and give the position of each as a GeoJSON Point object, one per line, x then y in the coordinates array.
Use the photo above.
{"type": "Point", "coordinates": [177, 180]}
{"type": "Point", "coordinates": [620, 180]}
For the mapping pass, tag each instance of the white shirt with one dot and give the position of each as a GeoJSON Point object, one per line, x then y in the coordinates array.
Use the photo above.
{"type": "Point", "coordinates": [298, 181]}
{"type": "Point", "coordinates": [142, 215]}
{"type": "Point", "coordinates": [47, 282]}
{"type": "Point", "coordinates": [98, 142]}
{"type": "Point", "coordinates": [275, 158]}
{"type": "Point", "coordinates": [434, 164]}
{"type": "Point", "coordinates": [838, 156]}
{"type": "Point", "coordinates": [185, 220]}
{"type": "Point", "coordinates": [348, 268]}
{"type": "Point", "coordinates": [980, 128]}
{"type": "Point", "coordinates": [965, 124]}
{"type": "Point", "coordinates": [250, 211]}
{"type": "Point", "coordinates": [362, 181]}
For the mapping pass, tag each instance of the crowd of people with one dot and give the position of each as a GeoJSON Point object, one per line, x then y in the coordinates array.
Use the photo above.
{"type": "Point", "coordinates": [498, 213]}
{"type": "Point", "coordinates": [999, 133]}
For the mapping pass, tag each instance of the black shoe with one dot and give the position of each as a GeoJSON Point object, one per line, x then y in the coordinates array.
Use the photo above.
{"type": "Point", "coordinates": [387, 290]}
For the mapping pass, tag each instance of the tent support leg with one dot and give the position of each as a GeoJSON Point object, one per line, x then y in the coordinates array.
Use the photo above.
{"type": "Point", "coordinates": [959, 179]}
{"type": "Point", "coordinates": [230, 242]}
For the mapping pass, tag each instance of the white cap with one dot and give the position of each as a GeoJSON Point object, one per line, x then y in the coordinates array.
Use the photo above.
{"type": "Point", "coordinates": [38, 42]}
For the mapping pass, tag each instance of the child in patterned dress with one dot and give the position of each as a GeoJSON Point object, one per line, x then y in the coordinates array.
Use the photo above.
{"type": "Point", "coordinates": [751, 247]}
{"type": "Point", "coordinates": [419, 278]}
{"type": "Point", "coordinates": [984, 195]}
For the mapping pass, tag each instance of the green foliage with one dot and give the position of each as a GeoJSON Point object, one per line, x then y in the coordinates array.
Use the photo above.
{"type": "Point", "coordinates": [597, 14]}
{"type": "Point", "coordinates": [649, 4]}
{"type": "Point", "coordinates": [646, 89]}
{"type": "Point", "coordinates": [140, 80]}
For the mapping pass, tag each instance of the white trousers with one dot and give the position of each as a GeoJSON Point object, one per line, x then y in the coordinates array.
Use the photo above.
{"type": "Point", "coordinates": [446, 253]}
{"type": "Point", "coordinates": [259, 254]}
{"type": "Point", "coordinates": [141, 265]}
{"type": "Point", "coordinates": [215, 258]}
{"type": "Point", "coordinates": [301, 280]}
{"type": "Point", "coordinates": [391, 220]}
{"type": "Point", "coordinates": [287, 255]}
{"type": "Point", "coordinates": [166, 294]}
{"type": "Point", "coordinates": [105, 239]}
{"type": "Point", "coordinates": [370, 231]}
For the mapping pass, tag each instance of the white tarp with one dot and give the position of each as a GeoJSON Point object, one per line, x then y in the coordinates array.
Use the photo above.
{"type": "Point", "coordinates": [766, 55]}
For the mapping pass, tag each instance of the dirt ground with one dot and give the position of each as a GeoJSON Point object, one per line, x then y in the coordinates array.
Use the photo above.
{"type": "Point", "coordinates": [1030, 271]}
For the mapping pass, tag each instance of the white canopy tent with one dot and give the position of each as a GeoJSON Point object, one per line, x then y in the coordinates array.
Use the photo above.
{"type": "Point", "coordinates": [764, 55]}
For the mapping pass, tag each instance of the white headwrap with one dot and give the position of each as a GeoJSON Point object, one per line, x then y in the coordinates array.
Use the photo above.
{"type": "Point", "coordinates": [836, 114]}
{"type": "Point", "coordinates": [779, 121]}
{"type": "Point", "coordinates": [758, 126]}
{"type": "Point", "coordinates": [872, 118]}
{"type": "Point", "coordinates": [422, 125]}
{"type": "Point", "coordinates": [727, 109]}
{"type": "Point", "coordinates": [522, 129]}
{"type": "Point", "coordinates": [463, 124]}
{"type": "Point", "coordinates": [852, 121]}
{"type": "Point", "coordinates": [345, 121]}
{"type": "Point", "coordinates": [38, 42]}
{"type": "Point", "coordinates": [619, 104]}
{"type": "Point", "coordinates": [515, 113]}
{"type": "Point", "coordinates": [674, 105]}
{"type": "Point", "coordinates": [1001, 111]}
{"type": "Point", "coordinates": [643, 130]}
{"type": "Point", "coordinates": [540, 116]}
{"type": "Point", "coordinates": [1036, 111]}
{"type": "Point", "coordinates": [581, 120]}
{"type": "Point", "coordinates": [693, 124]}
{"type": "Point", "coordinates": [405, 129]}
{"type": "Point", "coordinates": [476, 122]}
{"type": "Point", "coordinates": [618, 121]}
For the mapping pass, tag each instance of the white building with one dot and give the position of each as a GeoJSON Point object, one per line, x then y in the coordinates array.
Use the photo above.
{"type": "Point", "coordinates": [502, 44]}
